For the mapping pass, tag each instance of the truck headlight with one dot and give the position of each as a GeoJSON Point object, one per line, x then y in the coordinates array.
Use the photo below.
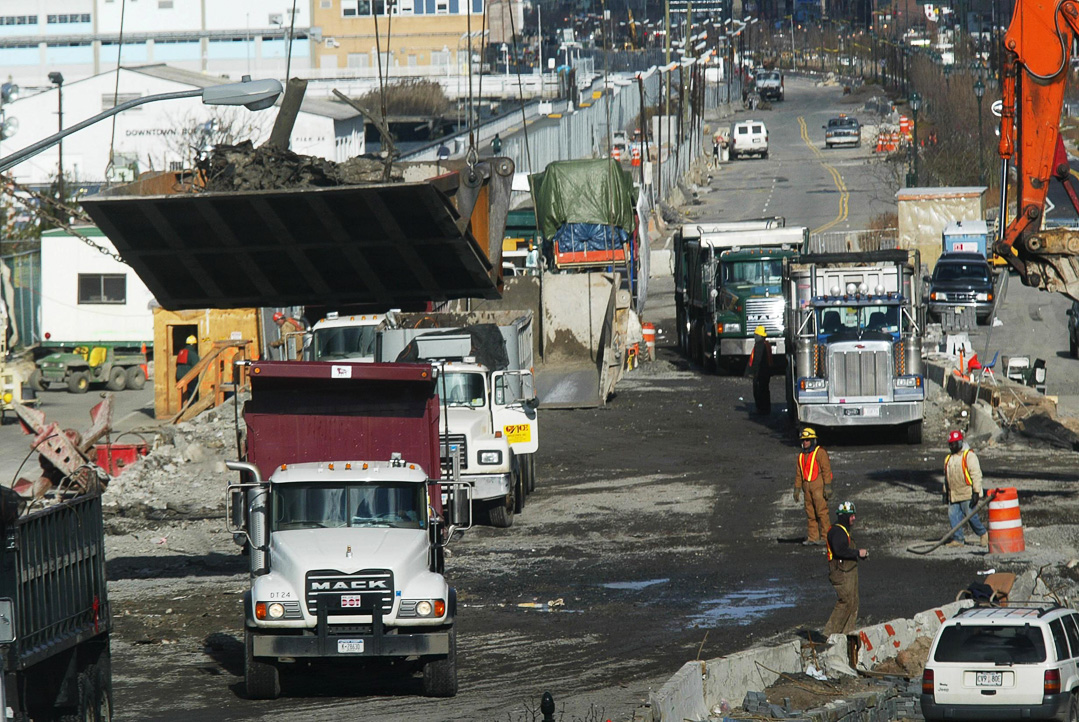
{"type": "Point", "coordinates": [276, 610]}
{"type": "Point", "coordinates": [938, 296]}
{"type": "Point", "coordinates": [983, 297]}
{"type": "Point", "coordinates": [8, 397]}
{"type": "Point", "coordinates": [490, 457]}
{"type": "Point", "coordinates": [813, 384]}
{"type": "Point", "coordinates": [426, 608]}
{"type": "Point", "coordinates": [908, 382]}
{"type": "Point", "coordinates": [423, 609]}
{"type": "Point", "coordinates": [728, 328]}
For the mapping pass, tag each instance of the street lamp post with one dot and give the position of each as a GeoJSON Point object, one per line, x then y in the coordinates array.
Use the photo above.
{"type": "Point", "coordinates": [58, 80]}
{"type": "Point", "coordinates": [252, 94]}
{"type": "Point", "coordinates": [915, 106]}
{"type": "Point", "coordinates": [979, 93]}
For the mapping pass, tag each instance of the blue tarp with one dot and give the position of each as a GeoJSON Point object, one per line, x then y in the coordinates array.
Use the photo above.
{"type": "Point", "coordinates": [578, 237]}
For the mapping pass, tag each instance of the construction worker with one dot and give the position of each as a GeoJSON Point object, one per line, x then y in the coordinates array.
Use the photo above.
{"type": "Point", "coordinates": [814, 479]}
{"type": "Point", "coordinates": [760, 369]}
{"type": "Point", "coordinates": [186, 358]}
{"type": "Point", "coordinates": [496, 144]}
{"type": "Point", "coordinates": [962, 488]}
{"type": "Point", "coordinates": [289, 327]}
{"type": "Point", "coordinates": [843, 560]}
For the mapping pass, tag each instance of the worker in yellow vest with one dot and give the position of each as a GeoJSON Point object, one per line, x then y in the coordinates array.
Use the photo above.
{"type": "Point", "coordinates": [843, 558]}
{"type": "Point", "coordinates": [962, 488]}
{"type": "Point", "coordinates": [814, 479]}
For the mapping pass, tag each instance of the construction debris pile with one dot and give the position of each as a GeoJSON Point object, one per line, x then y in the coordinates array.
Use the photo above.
{"type": "Point", "coordinates": [184, 475]}
{"type": "Point", "coordinates": [244, 167]}
{"type": "Point", "coordinates": [849, 700]}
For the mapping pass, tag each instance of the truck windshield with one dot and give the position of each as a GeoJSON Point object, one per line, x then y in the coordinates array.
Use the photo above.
{"type": "Point", "coordinates": [962, 272]}
{"type": "Point", "coordinates": [326, 506]}
{"type": "Point", "coordinates": [462, 389]}
{"type": "Point", "coordinates": [854, 319]}
{"type": "Point", "coordinates": [765, 272]}
{"type": "Point", "coordinates": [345, 342]}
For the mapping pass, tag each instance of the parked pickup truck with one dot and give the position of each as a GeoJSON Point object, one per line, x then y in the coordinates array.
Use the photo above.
{"type": "Point", "coordinates": [340, 507]}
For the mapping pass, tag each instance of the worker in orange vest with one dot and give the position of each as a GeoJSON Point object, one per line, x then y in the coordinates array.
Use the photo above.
{"type": "Point", "coordinates": [814, 479]}
{"type": "Point", "coordinates": [843, 558]}
{"type": "Point", "coordinates": [962, 488]}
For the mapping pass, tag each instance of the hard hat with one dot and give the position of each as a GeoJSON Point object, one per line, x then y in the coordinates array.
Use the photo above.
{"type": "Point", "coordinates": [278, 316]}
{"type": "Point", "coordinates": [760, 331]}
{"type": "Point", "coordinates": [808, 433]}
{"type": "Point", "coordinates": [191, 339]}
{"type": "Point", "coordinates": [845, 508]}
{"type": "Point", "coordinates": [955, 436]}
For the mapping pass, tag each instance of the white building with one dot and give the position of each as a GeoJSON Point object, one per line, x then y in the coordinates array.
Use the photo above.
{"type": "Point", "coordinates": [88, 296]}
{"type": "Point", "coordinates": [161, 135]}
{"type": "Point", "coordinates": [80, 38]}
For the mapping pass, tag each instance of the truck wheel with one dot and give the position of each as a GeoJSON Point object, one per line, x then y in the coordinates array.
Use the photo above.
{"type": "Point", "coordinates": [530, 464]}
{"type": "Point", "coordinates": [78, 382]}
{"type": "Point", "coordinates": [1073, 347]}
{"type": "Point", "coordinates": [500, 513]}
{"type": "Point", "coordinates": [87, 681]}
{"type": "Point", "coordinates": [440, 675]}
{"type": "Point", "coordinates": [37, 381]}
{"type": "Point", "coordinates": [103, 674]}
{"type": "Point", "coordinates": [117, 379]}
{"type": "Point", "coordinates": [262, 680]}
{"type": "Point", "coordinates": [136, 379]}
{"type": "Point", "coordinates": [519, 493]}
{"type": "Point", "coordinates": [914, 432]}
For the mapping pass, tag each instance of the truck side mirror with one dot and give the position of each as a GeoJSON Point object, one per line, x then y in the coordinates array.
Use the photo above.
{"type": "Point", "coordinates": [7, 621]}
{"type": "Point", "coordinates": [237, 517]}
{"type": "Point", "coordinates": [462, 506]}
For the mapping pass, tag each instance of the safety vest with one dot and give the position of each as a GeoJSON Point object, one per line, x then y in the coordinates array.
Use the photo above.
{"type": "Point", "coordinates": [966, 471]}
{"type": "Point", "coordinates": [810, 470]}
{"type": "Point", "coordinates": [830, 543]}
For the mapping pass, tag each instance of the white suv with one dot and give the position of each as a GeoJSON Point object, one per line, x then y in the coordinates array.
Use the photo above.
{"type": "Point", "coordinates": [990, 663]}
{"type": "Point", "coordinates": [749, 137]}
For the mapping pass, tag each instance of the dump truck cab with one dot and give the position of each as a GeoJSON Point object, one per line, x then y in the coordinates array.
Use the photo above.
{"type": "Point", "coordinates": [345, 337]}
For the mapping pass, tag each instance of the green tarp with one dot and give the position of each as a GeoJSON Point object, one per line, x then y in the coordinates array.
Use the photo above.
{"type": "Point", "coordinates": [583, 191]}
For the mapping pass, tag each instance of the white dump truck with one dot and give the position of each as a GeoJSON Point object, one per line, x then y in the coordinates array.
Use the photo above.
{"type": "Point", "coordinates": [340, 507]}
{"type": "Point", "coordinates": [854, 340]}
{"type": "Point", "coordinates": [344, 337]}
{"type": "Point", "coordinates": [488, 390]}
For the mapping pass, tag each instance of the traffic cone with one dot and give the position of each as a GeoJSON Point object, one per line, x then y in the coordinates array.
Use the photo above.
{"type": "Point", "coordinates": [1005, 523]}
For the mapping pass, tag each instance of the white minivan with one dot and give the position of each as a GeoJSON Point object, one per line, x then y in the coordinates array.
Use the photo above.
{"type": "Point", "coordinates": [749, 137]}
{"type": "Point", "coordinates": [997, 663]}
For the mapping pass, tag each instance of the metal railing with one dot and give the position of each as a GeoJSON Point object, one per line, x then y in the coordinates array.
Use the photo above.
{"type": "Point", "coordinates": [872, 239]}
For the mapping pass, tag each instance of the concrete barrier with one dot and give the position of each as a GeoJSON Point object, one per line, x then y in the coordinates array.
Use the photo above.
{"type": "Point", "coordinates": [700, 685]}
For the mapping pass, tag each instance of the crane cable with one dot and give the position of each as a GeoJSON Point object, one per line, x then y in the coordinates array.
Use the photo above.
{"type": "Point", "coordinates": [291, 36]}
{"type": "Point", "coordinates": [471, 155]}
{"type": "Point", "coordinates": [116, 90]}
{"type": "Point", "coordinates": [378, 56]}
{"type": "Point", "coordinates": [521, 92]}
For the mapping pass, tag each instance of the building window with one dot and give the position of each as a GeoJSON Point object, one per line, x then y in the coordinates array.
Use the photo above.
{"type": "Point", "coordinates": [102, 288]}
{"type": "Point", "coordinates": [440, 58]}
{"type": "Point", "coordinates": [404, 7]}
{"type": "Point", "coordinates": [357, 60]}
{"type": "Point", "coordinates": [164, 4]}
{"type": "Point", "coordinates": [325, 4]}
{"type": "Point", "coordinates": [107, 100]}
{"type": "Point", "coordinates": [442, 7]}
{"type": "Point", "coordinates": [67, 19]}
{"type": "Point", "coordinates": [355, 8]}
{"type": "Point", "coordinates": [18, 20]}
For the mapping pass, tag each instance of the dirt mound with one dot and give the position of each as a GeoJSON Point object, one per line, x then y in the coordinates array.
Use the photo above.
{"type": "Point", "coordinates": [244, 167]}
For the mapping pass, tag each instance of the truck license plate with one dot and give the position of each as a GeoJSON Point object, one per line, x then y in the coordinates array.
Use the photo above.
{"type": "Point", "coordinates": [989, 679]}
{"type": "Point", "coordinates": [852, 411]}
{"type": "Point", "coordinates": [351, 646]}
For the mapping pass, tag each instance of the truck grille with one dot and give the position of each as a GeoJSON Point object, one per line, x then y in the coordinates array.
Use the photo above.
{"type": "Point", "coordinates": [328, 586]}
{"type": "Point", "coordinates": [457, 440]}
{"type": "Point", "coordinates": [767, 312]}
{"type": "Point", "coordinates": [861, 373]}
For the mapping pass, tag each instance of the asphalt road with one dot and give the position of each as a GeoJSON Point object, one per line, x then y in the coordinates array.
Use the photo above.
{"type": "Point", "coordinates": [663, 521]}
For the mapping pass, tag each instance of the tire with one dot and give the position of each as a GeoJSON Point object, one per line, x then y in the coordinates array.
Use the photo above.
{"type": "Point", "coordinates": [500, 512]}
{"type": "Point", "coordinates": [37, 381]}
{"type": "Point", "coordinates": [262, 680]}
{"type": "Point", "coordinates": [117, 379]}
{"type": "Point", "coordinates": [136, 379]}
{"type": "Point", "coordinates": [103, 673]}
{"type": "Point", "coordinates": [78, 382]}
{"type": "Point", "coordinates": [764, 155]}
{"type": "Point", "coordinates": [440, 675]}
{"type": "Point", "coordinates": [1073, 709]}
{"type": "Point", "coordinates": [914, 433]}
{"type": "Point", "coordinates": [1073, 347]}
{"type": "Point", "coordinates": [531, 464]}
{"type": "Point", "coordinates": [519, 493]}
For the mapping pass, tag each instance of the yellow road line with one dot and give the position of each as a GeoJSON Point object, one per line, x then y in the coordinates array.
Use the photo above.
{"type": "Point", "coordinates": [844, 194]}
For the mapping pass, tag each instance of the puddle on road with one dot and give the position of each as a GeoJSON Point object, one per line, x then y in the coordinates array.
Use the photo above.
{"type": "Point", "coordinates": [742, 607]}
{"type": "Point", "coordinates": [634, 586]}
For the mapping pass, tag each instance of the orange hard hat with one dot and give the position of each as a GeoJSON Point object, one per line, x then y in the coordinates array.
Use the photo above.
{"type": "Point", "coordinates": [278, 316]}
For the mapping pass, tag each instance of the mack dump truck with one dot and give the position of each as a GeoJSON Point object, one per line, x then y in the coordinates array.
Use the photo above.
{"type": "Point", "coordinates": [854, 335]}
{"type": "Point", "coordinates": [489, 393]}
{"type": "Point", "coordinates": [54, 611]}
{"type": "Point", "coordinates": [346, 533]}
{"type": "Point", "coordinates": [728, 281]}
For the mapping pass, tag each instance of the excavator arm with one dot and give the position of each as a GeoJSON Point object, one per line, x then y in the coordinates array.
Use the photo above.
{"type": "Point", "coordinates": [1037, 47]}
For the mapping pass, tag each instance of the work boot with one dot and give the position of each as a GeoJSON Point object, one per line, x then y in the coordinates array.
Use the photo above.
{"type": "Point", "coordinates": [984, 540]}
{"type": "Point", "coordinates": [955, 543]}
{"type": "Point", "coordinates": [813, 543]}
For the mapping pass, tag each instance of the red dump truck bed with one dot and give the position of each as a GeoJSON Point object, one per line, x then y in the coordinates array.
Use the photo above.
{"type": "Point", "coordinates": [316, 411]}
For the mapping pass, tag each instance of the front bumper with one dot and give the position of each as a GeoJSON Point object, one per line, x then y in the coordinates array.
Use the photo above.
{"type": "Point", "coordinates": [981, 309]}
{"type": "Point", "coordinates": [324, 641]}
{"type": "Point", "coordinates": [743, 346]}
{"type": "Point", "coordinates": [869, 414]}
{"type": "Point", "coordinates": [843, 140]}
{"type": "Point", "coordinates": [489, 486]}
{"type": "Point", "coordinates": [1053, 707]}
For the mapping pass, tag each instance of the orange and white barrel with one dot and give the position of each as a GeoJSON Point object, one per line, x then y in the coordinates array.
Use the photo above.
{"type": "Point", "coordinates": [1005, 524]}
{"type": "Point", "coordinates": [616, 153]}
{"type": "Point", "coordinates": [635, 157]}
{"type": "Point", "coordinates": [648, 332]}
